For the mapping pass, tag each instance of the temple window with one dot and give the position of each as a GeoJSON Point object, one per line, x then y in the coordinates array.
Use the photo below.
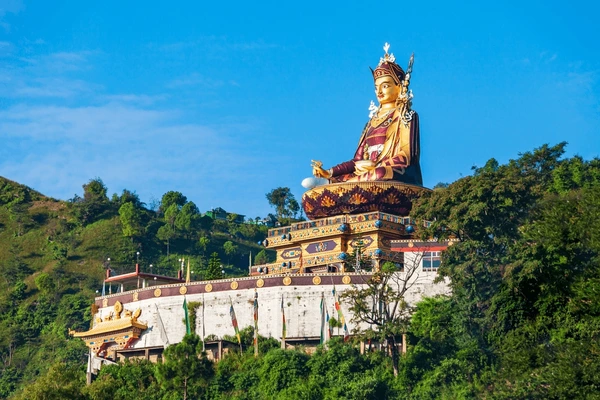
{"type": "Point", "coordinates": [431, 260]}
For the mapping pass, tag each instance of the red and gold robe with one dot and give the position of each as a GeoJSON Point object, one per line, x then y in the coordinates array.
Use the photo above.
{"type": "Point", "coordinates": [393, 148]}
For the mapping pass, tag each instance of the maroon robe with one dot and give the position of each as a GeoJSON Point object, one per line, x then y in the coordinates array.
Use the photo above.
{"type": "Point", "coordinates": [392, 159]}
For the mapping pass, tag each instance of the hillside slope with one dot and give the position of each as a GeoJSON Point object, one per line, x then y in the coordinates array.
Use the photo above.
{"type": "Point", "coordinates": [53, 256]}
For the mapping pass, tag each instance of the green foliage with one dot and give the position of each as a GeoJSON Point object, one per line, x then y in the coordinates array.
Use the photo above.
{"type": "Point", "coordinates": [522, 319]}
{"type": "Point", "coordinates": [184, 372]}
{"type": "Point", "coordinates": [192, 312]}
{"type": "Point", "coordinates": [172, 198]}
{"type": "Point", "coordinates": [130, 380]}
{"type": "Point", "coordinates": [284, 202]}
{"type": "Point", "coordinates": [281, 369]}
{"type": "Point", "coordinates": [131, 219]}
{"type": "Point", "coordinates": [94, 203]}
{"type": "Point", "coordinates": [187, 218]}
{"type": "Point", "coordinates": [52, 255]}
{"type": "Point", "coordinates": [230, 249]}
{"type": "Point", "coordinates": [45, 284]}
{"type": "Point", "coordinates": [520, 322]}
{"type": "Point", "coordinates": [60, 382]}
{"type": "Point", "coordinates": [262, 257]}
{"type": "Point", "coordinates": [214, 270]}
{"type": "Point", "coordinates": [203, 242]}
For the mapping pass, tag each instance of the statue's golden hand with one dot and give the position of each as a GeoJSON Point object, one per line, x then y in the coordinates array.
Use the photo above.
{"type": "Point", "coordinates": [318, 171]}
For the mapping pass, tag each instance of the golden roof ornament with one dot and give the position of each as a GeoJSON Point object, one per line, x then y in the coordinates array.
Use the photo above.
{"type": "Point", "coordinates": [114, 330]}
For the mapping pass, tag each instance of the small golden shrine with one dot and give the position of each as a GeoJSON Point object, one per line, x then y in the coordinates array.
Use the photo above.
{"type": "Point", "coordinates": [117, 331]}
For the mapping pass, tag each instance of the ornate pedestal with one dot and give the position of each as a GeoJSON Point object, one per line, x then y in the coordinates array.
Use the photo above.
{"type": "Point", "coordinates": [360, 197]}
{"type": "Point", "coordinates": [324, 245]}
{"type": "Point", "coordinates": [345, 217]}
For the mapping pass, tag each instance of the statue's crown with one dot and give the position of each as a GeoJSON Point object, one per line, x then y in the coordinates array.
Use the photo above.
{"type": "Point", "coordinates": [388, 67]}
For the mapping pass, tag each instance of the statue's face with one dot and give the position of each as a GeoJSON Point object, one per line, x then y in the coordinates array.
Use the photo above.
{"type": "Point", "coordinates": [386, 90]}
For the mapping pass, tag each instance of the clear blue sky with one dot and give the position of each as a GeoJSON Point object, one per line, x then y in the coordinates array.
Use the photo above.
{"type": "Point", "coordinates": [225, 101]}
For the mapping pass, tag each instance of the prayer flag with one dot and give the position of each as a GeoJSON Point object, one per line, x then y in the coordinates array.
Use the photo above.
{"type": "Point", "coordinates": [235, 323]}
{"type": "Point", "coordinates": [329, 329]}
{"type": "Point", "coordinates": [255, 323]}
{"type": "Point", "coordinates": [188, 329]}
{"type": "Point", "coordinates": [322, 318]}
{"type": "Point", "coordinates": [283, 327]}
{"type": "Point", "coordinates": [338, 308]}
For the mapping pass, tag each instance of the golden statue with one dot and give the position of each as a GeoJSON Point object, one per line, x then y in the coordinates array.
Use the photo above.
{"type": "Point", "coordinates": [388, 149]}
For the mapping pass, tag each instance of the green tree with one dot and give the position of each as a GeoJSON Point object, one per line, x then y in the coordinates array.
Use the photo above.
{"type": "Point", "coordinates": [284, 202]}
{"type": "Point", "coordinates": [526, 259]}
{"type": "Point", "coordinates": [172, 198]}
{"type": "Point", "coordinates": [130, 380]}
{"type": "Point", "coordinates": [187, 218]}
{"type": "Point", "coordinates": [131, 220]}
{"type": "Point", "coordinates": [213, 271]}
{"type": "Point", "coordinates": [45, 284]}
{"type": "Point", "coordinates": [380, 302]}
{"type": "Point", "coordinates": [230, 249]}
{"type": "Point", "coordinates": [203, 242]}
{"type": "Point", "coordinates": [94, 203]}
{"type": "Point", "coordinates": [262, 257]}
{"type": "Point", "coordinates": [232, 217]}
{"type": "Point", "coordinates": [60, 382]}
{"type": "Point", "coordinates": [185, 372]}
{"type": "Point", "coordinates": [128, 196]}
{"type": "Point", "coordinates": [281, 369]}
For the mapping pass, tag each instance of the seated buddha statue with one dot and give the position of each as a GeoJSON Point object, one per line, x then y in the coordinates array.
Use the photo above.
{"type": "Point", "coordinates": [388, 149]}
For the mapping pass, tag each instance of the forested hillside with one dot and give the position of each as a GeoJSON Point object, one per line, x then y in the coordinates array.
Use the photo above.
{"type": "Point", "coordinates": [523, 320]}
{"type": "Point", "coordinates": [54, 255]}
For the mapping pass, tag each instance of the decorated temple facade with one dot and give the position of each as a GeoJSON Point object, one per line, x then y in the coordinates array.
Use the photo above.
{"type": "Point", "coordinates": [326, 244]}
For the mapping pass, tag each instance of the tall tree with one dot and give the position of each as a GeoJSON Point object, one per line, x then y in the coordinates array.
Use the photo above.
{"type": "Point", "coordinates": [94, 202]}
{"type": "Point", "coordinates": [185, 372]}
{"type": "Point", "coordinates": [131, 220]}
{"type": "Point", "coordinates": [261, 258]}
{"type": "Point", "coordinates": [525, 262]}
{"type": "Point", "coordinates": [213, 271]}
{"type": "Point", "coordinates": [230, 249]}
{"type": "Point", "coordinates": [203, 242]}
{"type": "Point", "coordinates": [380, 302]}
{"type": "Point", "coordinates": [170, 198]}
{"type": "Point", "coordinates": [129, 196]}
{"type": "Point", "coordinates": [187, 219]}
{"type": "Point", "coordinates": [284, 202]}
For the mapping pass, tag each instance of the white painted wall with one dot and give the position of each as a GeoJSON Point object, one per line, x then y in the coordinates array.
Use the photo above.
{"type": "Point", "coordinates": [301, 304]}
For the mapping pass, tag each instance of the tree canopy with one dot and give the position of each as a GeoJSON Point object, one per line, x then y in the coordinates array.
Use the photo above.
{"type": "Point", "coordinates": [284, 202]}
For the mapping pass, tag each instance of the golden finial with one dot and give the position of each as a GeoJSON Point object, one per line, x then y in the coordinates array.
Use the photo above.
{"type": "Point", "coordinates": [387, 57]}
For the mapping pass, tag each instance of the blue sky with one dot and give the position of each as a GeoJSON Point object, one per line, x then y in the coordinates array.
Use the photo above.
{"type": "Point", "coordinates": [226, 101]}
